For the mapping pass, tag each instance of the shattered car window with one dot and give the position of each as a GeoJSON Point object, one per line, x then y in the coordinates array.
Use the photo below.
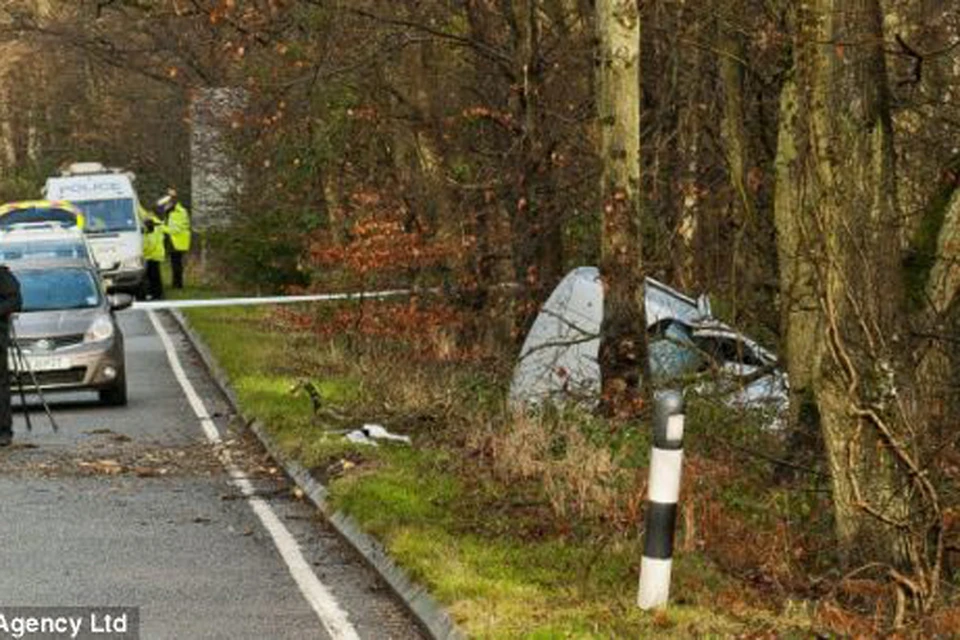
{"type": "Point", "coordinates": [718, 350]}
{"type": "Point", "coordinates": [671, 351]}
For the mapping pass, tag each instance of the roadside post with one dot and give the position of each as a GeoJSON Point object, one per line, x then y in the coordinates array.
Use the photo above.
{"type": "Point", "coordinates": [663, 492]}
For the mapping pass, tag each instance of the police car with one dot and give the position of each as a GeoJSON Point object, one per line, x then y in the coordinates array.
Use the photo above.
{"type": "Point", "coordinates": [59, 212]}
{"type": "Point", "coordinates": [43, 241]}
{"type": "Point", "coordinates": [66, 336]}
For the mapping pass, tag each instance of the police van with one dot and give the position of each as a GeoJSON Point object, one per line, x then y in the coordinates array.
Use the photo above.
{"type": "Point", "coordinates": [108, 200]}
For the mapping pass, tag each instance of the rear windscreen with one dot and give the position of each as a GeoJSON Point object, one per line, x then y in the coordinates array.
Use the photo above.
{"type": "Point", "coordinates": [103, 216]}
{"type": "Point", "coordinates": [38, 214]}
{"type": "Point", "coordinates": [55, 289]}
{"type": "Point", "coordinates": [45, 249]}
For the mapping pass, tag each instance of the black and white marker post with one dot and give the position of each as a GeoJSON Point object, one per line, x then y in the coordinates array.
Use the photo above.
{"type": "Point", "coordinates": [663, 492]}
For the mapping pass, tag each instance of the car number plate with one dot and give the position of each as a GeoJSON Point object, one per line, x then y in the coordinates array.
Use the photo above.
{"type": "Point", "coordinates": [40, 363]}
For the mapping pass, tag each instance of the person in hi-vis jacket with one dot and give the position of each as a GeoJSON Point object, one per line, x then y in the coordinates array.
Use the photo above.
{"type": "Point", "coordinates": [154, 252]}
{"type": "Point", "coordinates": [178, 234]}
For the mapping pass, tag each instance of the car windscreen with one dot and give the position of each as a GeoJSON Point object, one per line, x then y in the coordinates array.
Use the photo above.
{"type": "Point", "coordinates": [721, 349]}
{"type": "Point", "coordinates": [58, 288]}
{"type": "Point", "coordinates": [43, 250]}
{"type": "Point", "coordinates": [38, 214]}
{"type": "Point", "coordinates": [105, 216]}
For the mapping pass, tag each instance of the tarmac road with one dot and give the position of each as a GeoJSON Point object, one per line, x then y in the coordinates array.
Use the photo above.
{"type": "Point", "coordinates": [130, 506]}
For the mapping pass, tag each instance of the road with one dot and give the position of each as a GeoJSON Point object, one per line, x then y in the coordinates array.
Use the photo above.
{"type": "Point", "coordinates": [131, 506]}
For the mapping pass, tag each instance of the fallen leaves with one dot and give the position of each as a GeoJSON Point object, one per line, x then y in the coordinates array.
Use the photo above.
{"type": "Point", "coordinates": [110, 467]}
{"type": "Point", "coordinates": [149, 472]}
{"type": "Point", "coordinates": [110, 433]}
{"type": "Point", "coordinates": [102, 467]}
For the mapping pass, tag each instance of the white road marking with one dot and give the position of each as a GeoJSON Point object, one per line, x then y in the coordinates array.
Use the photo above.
{"type": "Point", "coordinates": [333, 618]}
{"type": "Point", "coordinates": [196, 403]}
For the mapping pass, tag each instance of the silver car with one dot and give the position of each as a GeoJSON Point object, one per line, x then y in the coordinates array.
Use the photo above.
{"type": "Point", "coordinates": [66, 337]}
{"type": "Point", "coordinates": [559, 360]}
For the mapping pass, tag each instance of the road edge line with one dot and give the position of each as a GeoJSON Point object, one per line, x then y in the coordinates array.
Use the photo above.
{"type": "Point", "coordinates": [325, 605]}
{"type": "Point", "coordinates": [428, 613]}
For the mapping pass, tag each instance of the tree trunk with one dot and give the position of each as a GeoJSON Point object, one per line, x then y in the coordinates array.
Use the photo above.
{"type": "Point", "coordinates": [492, 227]}
{"type": "Point", "coordinates": [690, 132]}
{"type": "Point", "coordinates": [664, 163]}
{"type": "Point", "coordinates": [943, 283]}
{"type": "Point", "coordinates": [623, 332]}
{"type": "Point", "coordinates": [538, 237]}
{"type": "Point", "coordinates": [843, 302]}
{"type": "Point", "coordinates": [801, 321]}
{"type": "Point", "coordinates": [733, 134]}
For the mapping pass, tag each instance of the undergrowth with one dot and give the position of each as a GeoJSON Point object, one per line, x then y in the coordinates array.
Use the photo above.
{"type": "Point", "coordinates": [531, 526]}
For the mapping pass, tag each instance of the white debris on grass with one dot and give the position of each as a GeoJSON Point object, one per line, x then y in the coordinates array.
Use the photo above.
{"type": "Point", "coordinates": [368, 434]}
{"type": "Point", "coordinates": [357, 436]}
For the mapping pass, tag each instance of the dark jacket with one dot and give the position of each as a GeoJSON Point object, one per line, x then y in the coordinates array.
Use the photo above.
{"type": "Point", "coordinates": [10, 302]}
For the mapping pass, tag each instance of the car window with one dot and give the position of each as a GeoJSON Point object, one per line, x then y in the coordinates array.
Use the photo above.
{"type": "Point", "coordinates": [671, 351]}
{"type": "Point", "coordinates": [56, 289]}
{"type": "Point", "coordinates": [724, 349]}
{"type": "Point", "coordinates": [44, 250]}
{"type": "Point", "coordinates": [103, 216]}
{"type": "Point", "coordinates": [38, 214]}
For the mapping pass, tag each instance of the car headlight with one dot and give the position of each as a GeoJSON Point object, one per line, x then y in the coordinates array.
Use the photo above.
{"type": "Point", "coordinates": [101, 329]}
{"type": "Point", "coordinates": [136, 262]}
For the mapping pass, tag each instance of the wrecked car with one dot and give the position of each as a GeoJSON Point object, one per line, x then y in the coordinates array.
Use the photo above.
{"type": "Point", "coordinates": [687, 347]}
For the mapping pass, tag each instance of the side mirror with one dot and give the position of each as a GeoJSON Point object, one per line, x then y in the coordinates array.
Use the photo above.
{"type": "Point", "coordinates": [120, 301]}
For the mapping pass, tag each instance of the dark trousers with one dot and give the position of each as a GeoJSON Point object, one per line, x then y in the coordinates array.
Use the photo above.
{"type": "Point", "coordinates": [176, 265]}
{"type": "Point", "coordinates": [6, 411]}
{"type": "Point", "coordinates": [154, 281]}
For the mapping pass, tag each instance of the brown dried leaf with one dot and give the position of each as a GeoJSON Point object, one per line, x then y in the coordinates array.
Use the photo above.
{"type": "Point", "coordinates": [106, 467]}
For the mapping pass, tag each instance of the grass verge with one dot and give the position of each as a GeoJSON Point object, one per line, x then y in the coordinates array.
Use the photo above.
{"type": "Point", "coordinates": [487, 542]}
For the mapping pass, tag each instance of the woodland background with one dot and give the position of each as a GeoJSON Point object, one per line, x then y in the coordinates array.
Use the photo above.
{"type": "Point", "coordinates": [800, 162]}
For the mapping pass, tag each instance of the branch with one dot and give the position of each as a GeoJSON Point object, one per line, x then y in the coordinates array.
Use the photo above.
{"type": "Point", "coordinates": [100, 49]}
{"type": "Point", "coordinates": [917, 57]}
{"type": "Point", "coordinates": [503, 60]}
{"type": "Point", "coordinates": [766, 457]}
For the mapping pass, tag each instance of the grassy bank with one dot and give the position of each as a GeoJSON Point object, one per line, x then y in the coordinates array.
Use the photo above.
{"type": "Point", "coordinates": [518, 534]}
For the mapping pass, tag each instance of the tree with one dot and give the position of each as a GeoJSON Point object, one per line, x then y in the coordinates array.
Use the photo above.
{"type": "Point", "coordinates": [843, 300]}
{"type": "Point", "coordinates": [91, 94]}
{"type": "Point", "coordinates": [623, 331]}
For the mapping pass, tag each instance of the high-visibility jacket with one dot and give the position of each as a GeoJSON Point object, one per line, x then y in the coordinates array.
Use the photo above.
{"type": "Point", "coordinates": [153, 248]}
{"type": "Point", "coordinates": [178, 228]}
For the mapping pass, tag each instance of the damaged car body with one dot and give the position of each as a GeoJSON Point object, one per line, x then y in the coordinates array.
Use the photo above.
{"type": "Point", "coordinates": [687, 347]}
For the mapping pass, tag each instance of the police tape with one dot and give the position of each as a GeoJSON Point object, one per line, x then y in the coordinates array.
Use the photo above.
{"type": "Point", "coordinates": [360, 296]}
{"type": "Point", "coordinates": [264, 300]}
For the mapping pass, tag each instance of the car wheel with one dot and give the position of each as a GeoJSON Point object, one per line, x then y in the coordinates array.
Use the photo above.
{"type": "Point", "coordinates": [116, 395]}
